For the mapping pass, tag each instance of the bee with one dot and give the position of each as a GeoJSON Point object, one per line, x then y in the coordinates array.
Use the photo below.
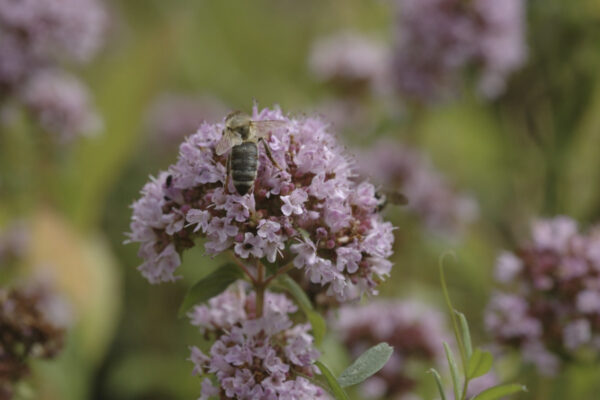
{"type": "Point", "coordinates": [385, 197]}
{"type": "Point", "coordinates": [242, 135]}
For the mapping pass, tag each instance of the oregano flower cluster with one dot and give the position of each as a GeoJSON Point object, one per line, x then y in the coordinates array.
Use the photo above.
{"type": "Point", "coordinates": [438, 40]}
{"type": "Point", "coordinates": [549, 304]}
{"type": "Point", "coordinates": [254, 357]}
{"type": "Point", "coordinates": [311, 213]}
{"type": "Point", "coordinates": [37, 39]}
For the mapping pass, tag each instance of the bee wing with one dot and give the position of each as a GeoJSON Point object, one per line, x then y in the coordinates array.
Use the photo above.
{"type": "Point", "coordinates": [261, 129]}
{"type": "Point", "coordinates": [227, 141]}
{"type": "Point", "coordinates": [395, 197]}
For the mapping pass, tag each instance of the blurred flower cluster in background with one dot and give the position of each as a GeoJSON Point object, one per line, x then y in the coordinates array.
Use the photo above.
{"type": "Point", "coordinates": [413, 129]}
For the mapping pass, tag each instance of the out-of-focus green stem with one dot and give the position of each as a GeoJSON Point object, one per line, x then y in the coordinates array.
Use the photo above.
{"type": "Point", "coordinates": [260, 288]}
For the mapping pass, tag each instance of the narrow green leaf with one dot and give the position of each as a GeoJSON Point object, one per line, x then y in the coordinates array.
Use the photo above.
{"type": "Point", "coordinates": [466, 334]}
{"type": "Point", "coordinates": [210, 286]}
{"type": "Point", "coordinates": [453, 371]}
{"type": "Point", "coordinates": [438, 382]}
{"type": "Point", "coordinates": [367, 364]}
{"type": "Point", "coordinates": [319, 327]}
{"type": "Point", "coordinates": [451, 309]}
{"type": "Point", "coordinates": [318, 324]}
{"type": "Point", "coordinates": [499, 391]}
{"type": "Point", "coordinates": [335, 387]}
{"type": "Point", "coordinates": [296, 291]}
{"type": "Point", "coordinates": [480, 363]}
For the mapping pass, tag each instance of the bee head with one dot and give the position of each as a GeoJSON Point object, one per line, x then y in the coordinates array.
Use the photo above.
{"type": "Point", "coordinates": [238, 122]}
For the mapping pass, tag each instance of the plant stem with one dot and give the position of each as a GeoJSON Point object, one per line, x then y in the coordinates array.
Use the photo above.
{"type": "Point", "coordinates": [465, 387]}
{"type": "Point", "coordinates": [279, 272]}
{"type": "Point", "coordinates": [243, 267]}
{"type": "Point", "coordinates": [260, 285]}
{"type": "Point", "coordinates": [459, 341]}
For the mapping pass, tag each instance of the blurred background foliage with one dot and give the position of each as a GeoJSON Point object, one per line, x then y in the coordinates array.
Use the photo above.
{"type": "Point", "coordinates": [532, 152]}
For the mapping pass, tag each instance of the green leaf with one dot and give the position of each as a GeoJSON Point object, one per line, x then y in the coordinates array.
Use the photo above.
{"type": "Point", "coordinates": [296, 291]}
{"type": "Point", "coordinates": [499, 391]}
{"type": "Point", "coordinates": [438, 382]}
{"type": "Point", "coordinates": [457, 335]}
{"type": "Point", "coordinates": [466, 334]}
{"type": "Point", "coordinates": [453, 371]}
{"type": "Point", "coordinates": [480, 363]}
{"type": "Point", "coordinates": [210, 286]}
{"type": "Point", "coordinates": [335, 387]}
{"type": "Point", "coordinates": [367, 364]}
{"type": "Point", "coordinates": [319, 327]}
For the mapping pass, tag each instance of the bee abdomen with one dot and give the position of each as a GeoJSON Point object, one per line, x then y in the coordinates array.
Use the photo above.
{"type": "Point", "coordinates": [244, 164]}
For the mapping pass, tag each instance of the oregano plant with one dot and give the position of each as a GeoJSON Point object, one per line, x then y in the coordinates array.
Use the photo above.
{"type": "Point", "coordinates": [306, 214]}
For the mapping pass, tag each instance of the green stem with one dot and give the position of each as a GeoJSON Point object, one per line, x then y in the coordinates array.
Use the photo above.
{"type": "Point", "coordinates": [279, 272]}
{"type": "Point", "coordinates": [464, 389]}
{"type": "Point", "coordinates": [243, 268]}
{"type": "Point", "coordinates": [459, 342]}
{"type": "Point", "coordinates": [461, 346]}
{"type": "Point", "coordinates": [259, 285]}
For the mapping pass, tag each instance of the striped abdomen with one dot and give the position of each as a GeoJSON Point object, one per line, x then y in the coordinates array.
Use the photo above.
{"type": "Point", "coordinates": [244, 164]}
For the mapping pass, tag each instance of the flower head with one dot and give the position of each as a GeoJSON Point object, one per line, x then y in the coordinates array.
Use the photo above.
{"type": "Point", "coordinates": [350, 62]}
{"type": "Point", "coordinates": [308, 213]}
{"type": "Point", "coordinates": [414, 330]}
{"type": "Point", "coordinates": [37, 36]}
{"type": "Point", "coordinates": [41, 32]}
{"type": "Point", "coordinates": [438, 39]}
{"type": "Point", "coordinates": [60, 103]}
{"type": "Point", "coordinates": [28, 331]}
{"type": "Point", "coordinates": [550, 308]}
{"type": "Point", "coordinates": [260, 358]}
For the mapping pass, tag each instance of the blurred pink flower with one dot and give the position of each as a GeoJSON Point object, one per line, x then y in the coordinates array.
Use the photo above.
{"type": "Point", "coordinates": [61, 104]}
{"type": "Point", "coordinates": [351, 62]}
{"type": "Point", "coordinates": [37, 36]}
{"type": "Point", "coordinates": [438, 39]}
{"type": "Point", "coordinates": [551, 308]}
{"type": "Point", "coordinates": [415, 331]}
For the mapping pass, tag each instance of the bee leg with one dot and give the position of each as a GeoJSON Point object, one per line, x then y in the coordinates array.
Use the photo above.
{"type": "Point", "coordinates": [228, 173]}
{"type": "Point", "coordinates": [270, 155]}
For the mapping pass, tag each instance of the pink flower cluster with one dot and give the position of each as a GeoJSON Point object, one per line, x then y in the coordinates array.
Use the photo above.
{"type": "Point", "coordinates": [312, 213]}
{"type": "Point", "coordinates": [401, 169]}
{"type": "Point", "coordinates": [36, 37]}
{"type": "Point", "coordinates": [350, 62]}
{"type": "Point", "coordinates": [438, 39]}
{"type": "Point", "coordinates": [550, 308]}
{"type": "Point", "coordinates": [61, 104]}
{"type": "Point", "coordinates": [413, 329]}
{"type": "Point", "coordinates": [254, 358]}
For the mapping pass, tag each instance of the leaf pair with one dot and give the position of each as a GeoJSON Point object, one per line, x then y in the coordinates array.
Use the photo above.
{"type": "Point", "coordinates": [475, 363]}
{"type": "Point", "coordinates": [366, 365]}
